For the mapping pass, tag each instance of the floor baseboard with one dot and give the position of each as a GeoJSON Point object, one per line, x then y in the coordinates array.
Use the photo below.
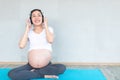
{"type": "Point", "coordinates": [69, 63]}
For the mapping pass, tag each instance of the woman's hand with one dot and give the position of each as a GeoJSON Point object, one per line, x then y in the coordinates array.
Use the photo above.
{"type": "Point", "coordinates": [24, 38]}
{"type": "Point", "coordinates": [49, 35]}
{"type": "Point", "coordinates": [45, 24]}
{"type": "Point", "coordinates": [28, 25]}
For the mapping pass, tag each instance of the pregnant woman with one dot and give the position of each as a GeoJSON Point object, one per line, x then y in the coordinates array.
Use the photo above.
{"type": "Point", "coordinates": [40, 39]}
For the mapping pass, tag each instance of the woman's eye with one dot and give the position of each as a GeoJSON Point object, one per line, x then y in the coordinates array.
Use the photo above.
{"type": "Point", "coordinates": [39, 15]}
{"type": "Point", "coordinates": [36, 16]}
{"type": "Point", "coordinates": [33, 16]}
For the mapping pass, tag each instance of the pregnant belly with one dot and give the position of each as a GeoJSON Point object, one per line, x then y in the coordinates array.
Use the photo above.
{"type": "Point", "coordinates": [39, 58]}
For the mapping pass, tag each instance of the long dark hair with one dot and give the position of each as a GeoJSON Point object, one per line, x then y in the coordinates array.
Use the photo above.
{"type": "Point", "coordinates": [36, 10]}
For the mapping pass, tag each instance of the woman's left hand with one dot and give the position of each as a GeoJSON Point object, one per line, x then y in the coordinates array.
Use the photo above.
{"type": "Point", "coordinates": [45, 23]}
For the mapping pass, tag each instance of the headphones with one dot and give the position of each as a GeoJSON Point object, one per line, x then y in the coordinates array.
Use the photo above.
{"type": "Point", "coordinates": [36, 10]}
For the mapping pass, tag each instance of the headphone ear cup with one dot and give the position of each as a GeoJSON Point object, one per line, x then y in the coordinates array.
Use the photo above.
{"type": "Point", "coordinates": [31, 20]}
{"type": "Point", "coordinates": [43, 19]}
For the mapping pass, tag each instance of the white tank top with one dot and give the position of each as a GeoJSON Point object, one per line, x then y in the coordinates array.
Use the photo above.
{"type": "Point", "coordinates": [39, 41]}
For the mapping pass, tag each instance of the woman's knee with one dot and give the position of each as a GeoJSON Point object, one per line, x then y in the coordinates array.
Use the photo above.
{"type": "Point", "coordinates": [11, 74]}
{"type": "Point", "coordinates": [62, 68]}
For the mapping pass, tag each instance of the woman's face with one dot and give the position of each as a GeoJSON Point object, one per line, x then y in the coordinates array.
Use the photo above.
{"type": "Point", "coordinates": [36, 18]}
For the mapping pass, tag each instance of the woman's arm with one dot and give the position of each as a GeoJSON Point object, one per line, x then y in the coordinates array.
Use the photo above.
{"type": "Point", "coordinates": [24, 38]}
{"type": "Point", "coordinates": [49, 35]}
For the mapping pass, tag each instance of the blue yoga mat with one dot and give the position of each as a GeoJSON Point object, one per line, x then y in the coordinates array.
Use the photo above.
{"type": "Point", "coordinates": [70, 74]}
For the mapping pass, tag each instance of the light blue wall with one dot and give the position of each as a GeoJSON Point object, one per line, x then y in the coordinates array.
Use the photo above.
{"type": "Point", "coordinates": [85, 30]}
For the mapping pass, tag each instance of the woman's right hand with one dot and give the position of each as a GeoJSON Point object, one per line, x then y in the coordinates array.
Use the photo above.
{"type": "Point", "coordinates": [24, 38]}
{"type": "Point", "coordinates": [28, 25]}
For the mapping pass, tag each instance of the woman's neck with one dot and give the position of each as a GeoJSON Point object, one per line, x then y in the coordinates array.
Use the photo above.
{"type": "Point", "coordinates": [38, 29]}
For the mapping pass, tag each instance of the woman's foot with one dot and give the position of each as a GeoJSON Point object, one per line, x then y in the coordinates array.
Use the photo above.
{"type": "Point", "coordinates": [32, 70]}
{"type": "Point", "coordinates": [51, 76]}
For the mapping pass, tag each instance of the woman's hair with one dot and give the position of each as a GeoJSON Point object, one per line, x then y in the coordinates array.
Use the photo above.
{"type": "Point", "coordinates": [36, 10]}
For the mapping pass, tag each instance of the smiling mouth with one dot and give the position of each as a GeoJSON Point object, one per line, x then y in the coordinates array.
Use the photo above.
{"type": "Point", "coordinates": [37, 21]}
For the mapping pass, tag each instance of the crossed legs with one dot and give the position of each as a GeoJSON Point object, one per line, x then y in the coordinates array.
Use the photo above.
{"type": "Point", "coordinates": [26, 72]}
